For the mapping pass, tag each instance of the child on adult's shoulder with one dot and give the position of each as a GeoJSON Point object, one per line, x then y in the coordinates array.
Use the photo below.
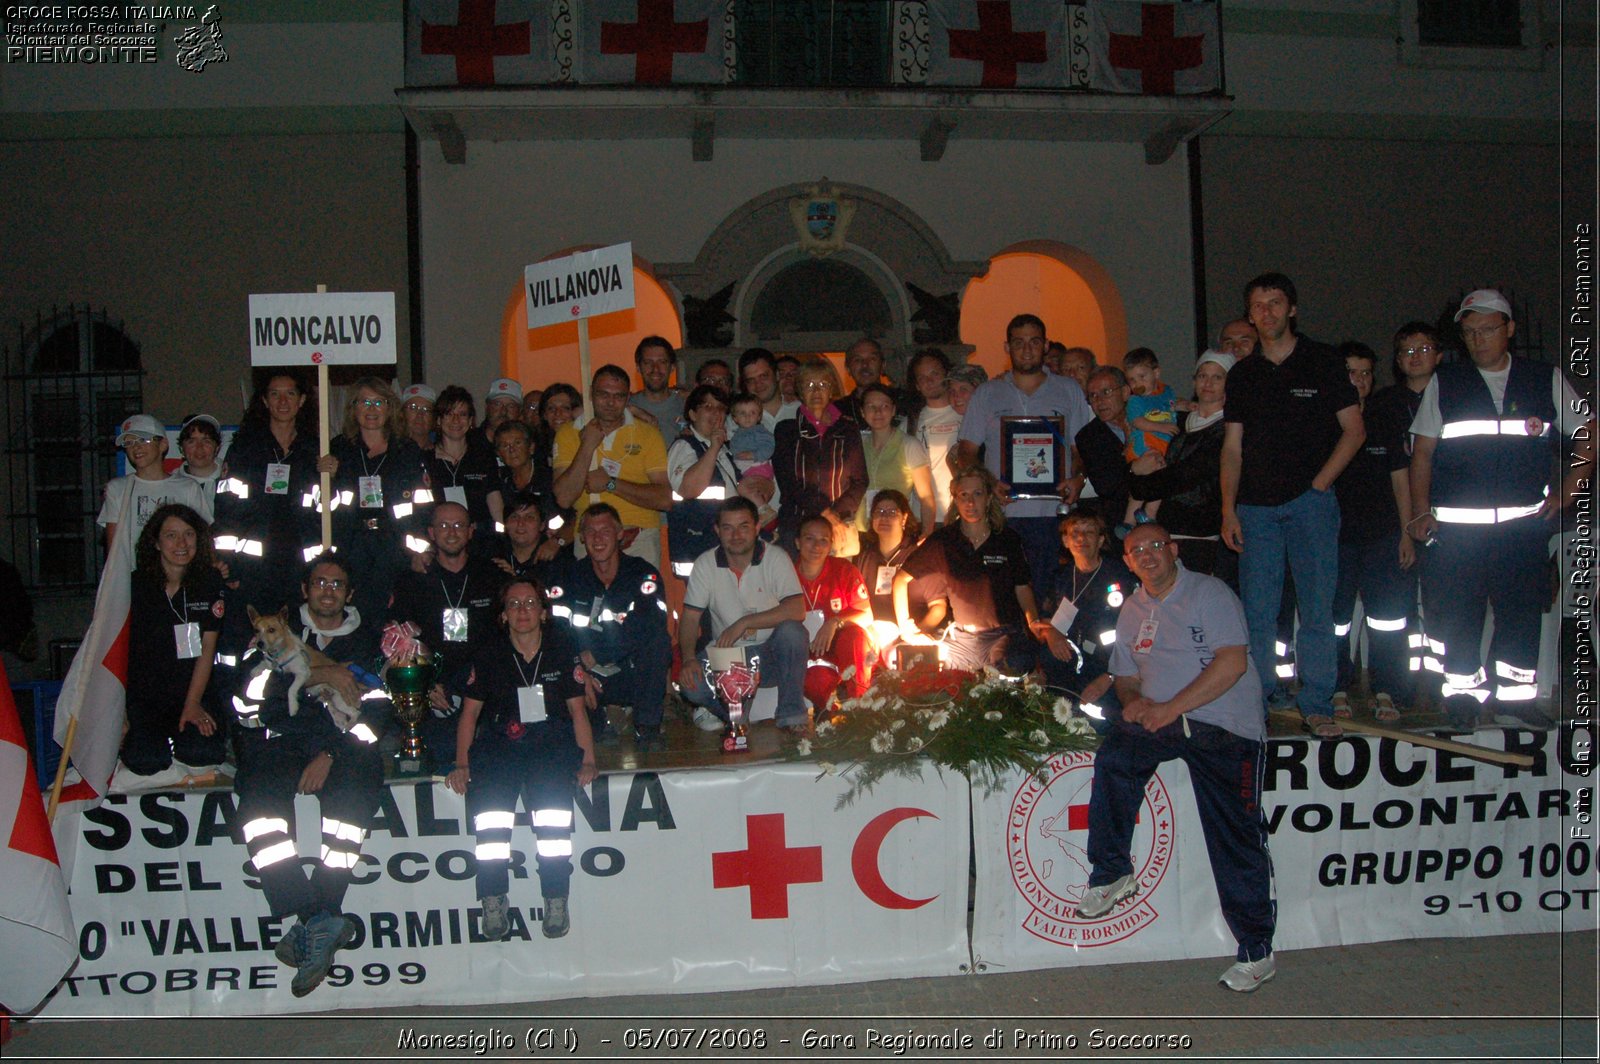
{"type": "Point", "coordinates": [1152, 422]}
{"type": "Point", "coordinates": [751, 443]}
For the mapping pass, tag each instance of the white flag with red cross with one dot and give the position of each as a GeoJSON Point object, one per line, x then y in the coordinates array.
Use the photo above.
{"type": "Point", "coordinates": [997, 44]}
{"type": "Point", "coordinates": [1154, 49]}
{"type": "Point", "coordinates": [472, 43]}
{"type": "Point", "coordinates": [651, 42]}
{"type": "Point", "coordinates": [37, 938]}
{"type": "Point", "coordinates": [95, 689]}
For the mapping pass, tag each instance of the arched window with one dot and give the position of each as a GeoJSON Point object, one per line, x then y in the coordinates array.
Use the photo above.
{"type": "Point", "coordinates": [1062, 285]}
{"type": "Point", "coordinates": [539, 357]}
{"type": "Point", "coordinates": [73, 379]}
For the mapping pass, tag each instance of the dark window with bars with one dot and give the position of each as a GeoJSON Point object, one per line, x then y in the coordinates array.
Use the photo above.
{"type": "Point", "coordinates": [1469, 23]}
{"type": "Point", "coordinates": [72, 379]}
{"type": "Point", "coordinates": [812, 42]}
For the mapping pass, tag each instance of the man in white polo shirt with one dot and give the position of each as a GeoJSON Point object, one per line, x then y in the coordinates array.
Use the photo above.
{"type": "Point", "coordinates": [754, 598]}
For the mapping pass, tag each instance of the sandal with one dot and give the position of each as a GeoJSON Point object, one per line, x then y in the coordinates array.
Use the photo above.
{"type": "Point", "coordinates": [1323, 727]}
{"type": "Point", "coordinates": [1384, 709]}
{"type": "Point", "coordinates": [1341, 705]}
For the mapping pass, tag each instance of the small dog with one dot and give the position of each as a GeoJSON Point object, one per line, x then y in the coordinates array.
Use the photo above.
{"type": "Point", "coordinates": [283, 651]}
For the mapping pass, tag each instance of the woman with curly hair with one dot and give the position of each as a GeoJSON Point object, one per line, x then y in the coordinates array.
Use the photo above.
{"type": "Point", "coordinates": [174, 618]}
{"type": "Point", "coordinates": [377, 475]}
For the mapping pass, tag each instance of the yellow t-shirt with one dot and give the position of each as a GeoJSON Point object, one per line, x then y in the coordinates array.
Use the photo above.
{"type": "Point", "coordinates": [632, 452]}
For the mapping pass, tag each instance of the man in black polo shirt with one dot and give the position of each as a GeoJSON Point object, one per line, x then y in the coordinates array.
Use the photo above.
{"type": "Point", "coordinates": [613, 607]}
{"type": "Point", "coordinates": [454, 604]}
{"type": "Point", "coordinates": [1292, 425]}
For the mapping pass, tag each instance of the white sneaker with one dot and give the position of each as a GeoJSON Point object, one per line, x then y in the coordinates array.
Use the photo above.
{"type": "Point", "coordinates": [706, 720]}
{"type": "Point", "coordinates": [1246, 977]}
{"type": "Point", "coordinates": [1097, 901]}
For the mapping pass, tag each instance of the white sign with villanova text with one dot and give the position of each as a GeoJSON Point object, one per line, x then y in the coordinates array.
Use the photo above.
{"type": "Point", "coordinates": [1371, 840]}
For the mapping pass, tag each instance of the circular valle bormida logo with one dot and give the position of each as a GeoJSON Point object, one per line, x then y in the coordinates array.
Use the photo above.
{"type": "Point", "coordinates": [1047, 841]}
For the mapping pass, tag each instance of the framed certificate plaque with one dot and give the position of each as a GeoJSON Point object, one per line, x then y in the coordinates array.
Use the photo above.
{"type": "Point", "coordinates": [1033, 456]}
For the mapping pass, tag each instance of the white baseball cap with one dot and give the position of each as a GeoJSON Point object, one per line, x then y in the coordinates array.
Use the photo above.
{"type": "Point", "coordinates": [1221, 358]}
{"type": "Point", "coordinates": [418, 391]}
{"type": "Point", "coordinates": [1484, 301]}
{"type": "Point", "coordinates": [504, 388]}
{"type": "Point", "coordinates": [140, 427]}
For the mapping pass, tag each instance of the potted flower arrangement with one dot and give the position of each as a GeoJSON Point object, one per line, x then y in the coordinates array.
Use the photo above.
{"type": "Point", "coordinates": [982, 725]}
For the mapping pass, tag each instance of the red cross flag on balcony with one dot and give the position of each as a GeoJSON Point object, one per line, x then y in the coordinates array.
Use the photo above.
{"type": "Point", "coordinates": [997, 44]}
{"type": "Point", "coordinates": [479, 42]}
{"type": "Point", "coordinates": [651, 42]}
{"type": "Point", "coordinates": [1153, 49]}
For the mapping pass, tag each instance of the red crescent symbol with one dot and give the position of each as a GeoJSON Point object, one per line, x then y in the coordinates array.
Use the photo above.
{"type": "Point", "coordinates": [864, 859]}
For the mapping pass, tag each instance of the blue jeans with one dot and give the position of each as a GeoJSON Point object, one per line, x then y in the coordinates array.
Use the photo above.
{"type": "Point", "coordinates": [783, 665]}
{"type": "Point", "coordinates": [1305, 530]}
{"type": "Point", "coordinates": [1043, 545]}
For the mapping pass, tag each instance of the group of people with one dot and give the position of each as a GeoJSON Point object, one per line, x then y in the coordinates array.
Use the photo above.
{"type": "Point", "coordinates": [819, 530]}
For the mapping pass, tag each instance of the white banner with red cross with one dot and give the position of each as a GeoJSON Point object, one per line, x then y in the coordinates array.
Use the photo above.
{"type": "Point", "coordinates": [997, 44]}
{"type": "Point", "coordinates": [686, 881]}
{"type": "Point", "coordinates": [472, 43]}
{"type": "Point", "coordinates": [1157, 49]}
{"type": "Point", "coordinates": [651, 42]}
{"type": "Point", "coordinates": [1371, 840]}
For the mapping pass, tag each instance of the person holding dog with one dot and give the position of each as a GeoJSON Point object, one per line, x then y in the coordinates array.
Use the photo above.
{"type": "Point", "coordinates": [286, 749]}
{"type": "Point", "coordinates": [523, 731]}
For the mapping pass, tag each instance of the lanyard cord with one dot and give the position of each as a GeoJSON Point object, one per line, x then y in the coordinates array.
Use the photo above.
{"type": "Point", "coordinates": [1077, 592]}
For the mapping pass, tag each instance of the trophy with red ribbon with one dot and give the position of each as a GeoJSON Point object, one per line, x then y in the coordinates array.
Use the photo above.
{"type": "Point", "coordinates": [408, 677]}
{"type": "Point", "coordinates": [735, 680]}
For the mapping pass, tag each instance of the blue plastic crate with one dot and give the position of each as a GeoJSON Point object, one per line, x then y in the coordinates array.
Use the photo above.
{"type": "Point", "coordinates": [36, 705]}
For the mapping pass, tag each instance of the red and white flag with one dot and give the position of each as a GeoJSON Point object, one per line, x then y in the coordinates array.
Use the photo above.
{"type": "Point", "coordinates": [38, 942]}
{"type": "Point", "coordinates": [651, 42]}
{"type": "Point", "coordinates": [95, 690]}
{"type": "Point", "coordinates": [997, 44]}
{"type": "Point", "coordinates": [1153, 49]}
{"type": "Point", "coordinates": [479, 42]}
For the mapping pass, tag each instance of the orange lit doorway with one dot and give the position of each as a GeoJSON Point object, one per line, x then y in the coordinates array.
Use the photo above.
{"type": "Point", "coordinates": [537, 358]}
{"type": "Point", "coordinates": [1063, 286]}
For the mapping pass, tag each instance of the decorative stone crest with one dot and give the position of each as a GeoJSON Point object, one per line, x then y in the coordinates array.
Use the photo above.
{"type": "Point", "coordinates": [821, 218]}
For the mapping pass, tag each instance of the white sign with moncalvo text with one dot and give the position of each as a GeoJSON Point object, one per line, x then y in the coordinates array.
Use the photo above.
{"type": "Point", "coordinates": [316, 329]}
{"type": "Point", "coordinates": [580, 285]}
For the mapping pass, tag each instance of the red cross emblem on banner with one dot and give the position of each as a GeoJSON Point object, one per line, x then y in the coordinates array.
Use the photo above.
{"type": "Point", "coordinates": [475, 40]}
{"type": "Point", "coordinates": [996, 46]}
{"type": "Point", "coordinates": [653, 41]}
{"type": "Point", "coordinates": [767, 866]}
{"type": "Point", "coordinates": [1157, 54]}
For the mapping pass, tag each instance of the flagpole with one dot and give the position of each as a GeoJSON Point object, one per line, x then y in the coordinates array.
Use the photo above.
{"type": "Point", "coordinates": [61, 769]}
{"type": "Point", "coordinates": [322, 434]}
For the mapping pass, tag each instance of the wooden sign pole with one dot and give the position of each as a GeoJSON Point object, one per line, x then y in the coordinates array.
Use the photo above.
{"type": "Point", "coordinates": [1433, 742]}
{"type": "Point", "coordinates": [324, 441]}
{"type": "Point", "coordinates": [583, 359]}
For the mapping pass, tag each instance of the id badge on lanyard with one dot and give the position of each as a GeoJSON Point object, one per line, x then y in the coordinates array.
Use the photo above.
{"type": "Point", "coordinates": [1146, 640]}
{"type": "Point", "coordinates": [885, 582]}
{"type": "Point", "coordinates": [455, 624]}
{"type": "Point", "coordinates": [530, 704]}
{"type": "Point", "coordinates": [186, 637]}
{"type": "Point", "coordinates": [277, 478]}
{"type": "Point", "coordinates": [370, 489]}
{"type": "Point", "coordinates": [455, 495]}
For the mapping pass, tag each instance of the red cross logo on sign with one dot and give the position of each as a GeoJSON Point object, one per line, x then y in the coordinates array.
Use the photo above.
{"type": "Point", "coordinates": [653, 41]}
{"type": "Point", "coordinates": [1157, 54]}
{"type": "Point", "coordinates": [995, 45]}
{"type": "Point", "coordinates": [475, 41]}
{"type": "Point", "coordinates": [767, 866]}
